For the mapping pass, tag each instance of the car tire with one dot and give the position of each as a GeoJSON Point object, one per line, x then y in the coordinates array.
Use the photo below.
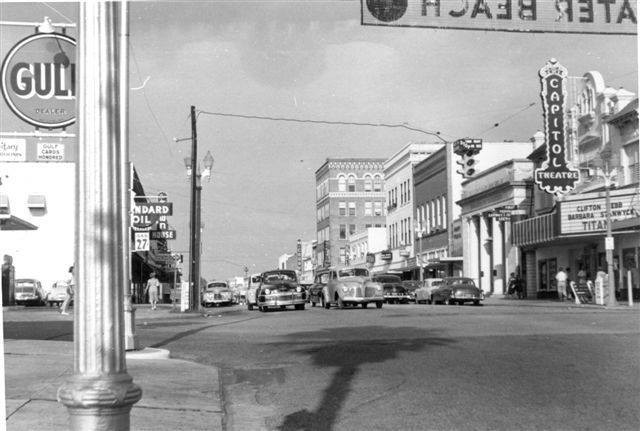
{"type": "Point", "coordinates": [299, 306]}
{"type": "Point", "coordinates": [364, 305]}
{"type": "Point", "coordinates": [379, 304]}
{"type": "Point", "coordinates": [449, 302]}
{"type": "Point", "coordinates": [249, 307]}
{"type": "Point", "coordinates": [313, 304]}
{"type": "Point", "coordinates": [476, 303]}
{"type": "Point", "coordinates": [325, 304]}
{"type": "Point", "coordinates": [340, 303]}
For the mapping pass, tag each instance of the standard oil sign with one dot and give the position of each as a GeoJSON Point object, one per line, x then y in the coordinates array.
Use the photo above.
{"type": "Point", "coordinates": [38, 80]}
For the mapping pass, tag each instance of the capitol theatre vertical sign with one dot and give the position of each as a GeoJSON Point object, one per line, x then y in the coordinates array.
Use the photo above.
{"type": "Point", "coordinates": [556, 175]}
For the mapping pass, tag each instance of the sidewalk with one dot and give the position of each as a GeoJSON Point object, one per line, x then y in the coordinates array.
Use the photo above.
{"type": "Point", "coordinates": [176, 394]}
{"type": "Point", "coordinates": [501, 300]}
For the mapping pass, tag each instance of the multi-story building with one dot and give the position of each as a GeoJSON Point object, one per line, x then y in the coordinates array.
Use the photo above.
{"type": "Point", "coordinates": [349, 199]}
{"type": "Point", "coordinates": [569, 231]}
{"type": "Point", "coordinates": [365, 247]}
{"type": "Point", "coordinates": [398, 189]}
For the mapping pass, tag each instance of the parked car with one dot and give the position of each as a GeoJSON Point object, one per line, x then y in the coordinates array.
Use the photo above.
{"type": "Point", "coordinates": [279, 289]}
{"type": "Point", "coordinates": [348, 286]}
{"type": "Point", "coordinates": [252, 289]}
{"type": "Point", "coordinates": [315, 290]}
{"type": "Point", "coordinates": [217, 293]}
{"type": "Point", "coordinates": [457, 290]}
{"type": "Point", "coordinates": [28, 291]}
{"type": "Point", "coordinates": [411, 286]}
{"type": "Point", "coordinates": [57, 294]}
{"type": "Point", "coordinates": [423, 294]}
{"type": "Point", "coordinates": [392, 288]}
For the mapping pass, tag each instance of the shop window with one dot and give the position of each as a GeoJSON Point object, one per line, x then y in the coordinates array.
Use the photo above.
{"type": "Point", "coordinates": [547, 270]}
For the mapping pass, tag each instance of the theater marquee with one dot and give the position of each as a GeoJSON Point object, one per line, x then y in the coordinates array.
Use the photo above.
{"type": "Point", "coordinates": [533, 16]}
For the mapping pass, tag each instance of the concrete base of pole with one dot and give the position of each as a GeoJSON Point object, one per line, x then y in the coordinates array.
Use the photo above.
{"type": "Point", "coordinates": [99, 403]}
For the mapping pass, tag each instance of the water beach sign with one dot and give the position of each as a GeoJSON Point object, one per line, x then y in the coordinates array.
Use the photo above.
{"type": "Point", "coordinates": [617, 17]}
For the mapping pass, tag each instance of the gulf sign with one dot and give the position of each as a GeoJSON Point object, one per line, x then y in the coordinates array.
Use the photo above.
{"type": "Point", "coordinates": [39, 80]}
{"type": "Point", "coordinates": [533, 16]}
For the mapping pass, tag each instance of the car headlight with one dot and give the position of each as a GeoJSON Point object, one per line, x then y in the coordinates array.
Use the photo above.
{"type": "Point", "coordinates": [344, 289]}
{"type": "Point", "coordinates": [298, 289]}
{"type": "Point", "coordinates": [453, 294]}
{"type": "Point", "coordinates": [267, 291]}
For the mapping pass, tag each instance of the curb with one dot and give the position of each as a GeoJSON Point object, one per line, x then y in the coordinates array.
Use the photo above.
{"type": "Point", "coordinates": [148, 353]}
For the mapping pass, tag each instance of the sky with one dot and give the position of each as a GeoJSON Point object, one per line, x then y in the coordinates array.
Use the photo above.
{"type": "Point", "coordinates": [309, 60]}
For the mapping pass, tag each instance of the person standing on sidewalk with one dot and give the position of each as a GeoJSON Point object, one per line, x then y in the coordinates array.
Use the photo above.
{"type": "Point", "coordinates": [70, 292]}
{"type": "Point", "coordinates": [519, 287]}
{"type": "Point", "coordinates": [511, 286]}
{"type": "Point", "coordinates": [561, 284]}
{"type": "Point", "coordinates": [153, 287]}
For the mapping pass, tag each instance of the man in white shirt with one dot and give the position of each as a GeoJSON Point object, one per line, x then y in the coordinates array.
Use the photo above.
{"type": "Point", "coordinates": [153, 287]}
{"type": "Point", "coordinates": [561, 284]}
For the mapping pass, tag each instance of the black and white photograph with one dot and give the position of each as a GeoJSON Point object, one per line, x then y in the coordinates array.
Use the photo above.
{"type": "Point", "coordinates": [320, 215]}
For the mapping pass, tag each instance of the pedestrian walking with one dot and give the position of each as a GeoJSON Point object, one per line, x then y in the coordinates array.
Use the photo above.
{"type": "Point", "coordinates": [561, 284]}
{"type": "Point", "coordinates": [153, 287]}
{"type": "Point", "coordinates": [511, 286]}
{"type": "Point", "coordinates": [70, 292]}
{"type": "Point", "coordinates": [519, 287]}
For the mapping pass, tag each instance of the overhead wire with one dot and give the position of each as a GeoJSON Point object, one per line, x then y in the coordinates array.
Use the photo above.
{"type": "Point", "coordinates": [497, 124]}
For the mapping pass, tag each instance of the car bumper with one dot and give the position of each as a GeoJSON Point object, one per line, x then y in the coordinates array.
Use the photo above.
{"type": "Point", "coordinates": [398, 297]}
{"type": "Point", "coordinates": [466, 298]}
{"type": "Point", "coordinates": [362, 299]}
{"type": "Point", "coordinates": [282, 301]}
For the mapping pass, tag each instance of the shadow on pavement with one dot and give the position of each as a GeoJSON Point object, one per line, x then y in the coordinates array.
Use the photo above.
{"type": "Point", "coordinates": [56, 330]}
{"type": "Point", "coordinates": [348, 354]}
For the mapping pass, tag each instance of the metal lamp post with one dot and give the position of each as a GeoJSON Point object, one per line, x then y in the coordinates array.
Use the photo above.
{"type": "Point", "coordinates": [193, 171]}
{"type": "Point", "coordinates": [100, 393]}
{"type": "Point", "coordinates": [608, 176]}
{"type": "Point", "coordinates": [420, 232]}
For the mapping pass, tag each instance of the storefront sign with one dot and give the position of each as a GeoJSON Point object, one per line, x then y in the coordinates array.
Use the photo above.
{"type": "Point", "coordinates": [39, 78]}
{"type": "Point", "coordinates": [371, 258]}
{"type": "Point", "coordinates": [145, 214]}
{"type": "Point", "coordinates": [141, 241]}
{"type": "Point", "coordinates": [589, 215]}
{"type": "Point", "coordinates": [386, 255]}
{"type": "Point", "coordinates": [467, 146]}
{"type": "Point", "coordinates": [299, 255]}
{"type": "Point", "coordinates": [546, 16]}
{"type": "Point", "coordinates": [556, 175]}
{"type": "Point", "coordinates": [163, 234]}
{"type": "Point", "coordinates": [50, 152]}
{"type": "Point", "coordinates": [13, 150]}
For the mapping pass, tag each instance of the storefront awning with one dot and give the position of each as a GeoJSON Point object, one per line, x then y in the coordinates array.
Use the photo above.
{"type": "Point", "coordinates": [15, 223]}
{"type": "Point", "coordinates": [628, 224]}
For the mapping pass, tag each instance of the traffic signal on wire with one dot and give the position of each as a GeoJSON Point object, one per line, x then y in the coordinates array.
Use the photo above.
{"type": "Point", "coordinates": [467, 164]}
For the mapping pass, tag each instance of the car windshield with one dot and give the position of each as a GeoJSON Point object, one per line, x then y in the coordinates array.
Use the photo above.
{"type": "Point", "coordinates": [216, 285]}
{"type": "Point", "coordinates": [278, 276]}
{"type": "Point", "coordinates": [25, 283]}
{"type": "Point", "coordinates": [351, 272]}
{"type": "Point", "coordinates": [255, 279]}
{"type": "Point", "coordinates": [388, 278]}
{"type": "Point", "coordinates": [461, 281]}
{"type": "Point", "coordinates": [25, 288]}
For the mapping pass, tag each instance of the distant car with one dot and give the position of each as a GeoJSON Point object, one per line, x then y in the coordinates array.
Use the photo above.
{"type": "Point", "coordinates": [57, 294]}
{"type": "Point", "coordinates": [423, 294]}
{"type": "Point", "coordinates": [252, 289]}
{"type": "Point", "coordinates": [28, 291]}
{"type": "Point", "coordinates": [347, 287]}
{"type": "Point", "coordinates": [457, 290]}
{"type": "Point", "coordinates": [392, 288]}
{"type": "Point", "coordinates": [411, 286]}
{"type": "Point", "coordinates": [216, 294]}
{"type": "Point", "coordinates": [280, 289]}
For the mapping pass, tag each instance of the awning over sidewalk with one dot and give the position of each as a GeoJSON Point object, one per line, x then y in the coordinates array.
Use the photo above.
{"type": "Point", "coordinates": [15, 223]}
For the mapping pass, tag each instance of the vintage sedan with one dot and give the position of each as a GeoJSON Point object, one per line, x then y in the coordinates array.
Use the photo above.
{"type": "Point", "coordinates": [351, 287]}
{"type": "Point", "coordinates": [57, 294]}
{"type": "Point", "coordinates": [457, 290]}
{"type": "Point", "coordinates": [423, 294]}
{"type": "Point", "coordinates": [392, 288]}
{"type": "Point", "coordinates": [216, 294]}
{"type": "Point", "coordinates": [412, 286]}
{"type": "Point", "coordinates": [29, 292]}
{"type": "Point", "coordinates": [280, 289]}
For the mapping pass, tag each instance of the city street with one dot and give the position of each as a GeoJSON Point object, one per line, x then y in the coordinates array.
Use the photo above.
{"type": "Point", "coordinates": [506, 365]}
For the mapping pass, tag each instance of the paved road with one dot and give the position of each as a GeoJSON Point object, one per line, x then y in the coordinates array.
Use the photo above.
{"type": "Point", "coordinates": [512, 366]}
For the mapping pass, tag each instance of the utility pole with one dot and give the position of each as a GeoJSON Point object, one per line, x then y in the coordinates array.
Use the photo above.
{"type": "Point", "coordinates": [194, 243]}
{"type": "Point", "coordinates": [608, 242]}
{"type": "Point", "coordinates": [100, 393]}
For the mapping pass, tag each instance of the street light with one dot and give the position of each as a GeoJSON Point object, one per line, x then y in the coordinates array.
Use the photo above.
{"type": "Point", "coordinates": [193, 171]}
{"type": "Point", "coordinates": [606, 156]}
{"type": "Point", "coordinates": [420, 233]}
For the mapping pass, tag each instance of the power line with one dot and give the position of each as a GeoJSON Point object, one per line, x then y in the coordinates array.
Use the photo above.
{"type": "Point", "coordinates": [530, 105]}
{"type": "Point", "coordinates": [326, 122]}
{"type": "Point", "coordinates": [57, 11]}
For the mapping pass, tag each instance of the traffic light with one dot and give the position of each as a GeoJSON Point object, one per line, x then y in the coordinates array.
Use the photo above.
{"type": "Point", "coordinates": [467, 164]}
